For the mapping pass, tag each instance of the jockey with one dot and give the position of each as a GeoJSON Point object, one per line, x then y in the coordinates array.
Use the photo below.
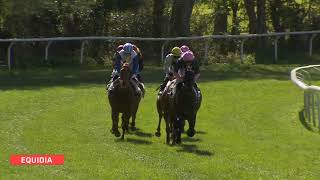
{"type": "Point", "coordinates": [141, 65]}
{"type": "Point", "coordinates": [127, 55]}
{"type": "Point", "coordinates": [116, 55]}
{"type": "Point", "coordinates": [169, 63]}
{"type": "Point", "coordinates": [184, 48]}
{"type": "Point", "coordinates": [187, 61]}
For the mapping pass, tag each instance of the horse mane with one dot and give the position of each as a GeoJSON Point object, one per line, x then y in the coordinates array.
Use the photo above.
{"type": "Point", "coordinates": [189, 77]}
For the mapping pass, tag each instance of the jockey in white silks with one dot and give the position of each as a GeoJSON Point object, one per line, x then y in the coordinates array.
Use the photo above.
{"type": "Point", "coordinates": [127, 55]}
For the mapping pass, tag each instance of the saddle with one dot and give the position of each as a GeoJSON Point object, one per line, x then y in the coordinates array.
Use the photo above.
{"type": "Point", "coordinates": [170, 90]}
{"type": "Point", "coordinates": [170, 87]}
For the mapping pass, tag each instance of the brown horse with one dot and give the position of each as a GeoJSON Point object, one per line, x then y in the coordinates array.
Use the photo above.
{"type": "Point", "coordinates": [123, 100]}
{"type": "Point", "coordinates": [163, 111]}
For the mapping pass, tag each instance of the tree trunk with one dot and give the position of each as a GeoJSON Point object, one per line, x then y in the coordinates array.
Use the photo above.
{"type": "Point", "coordinates": [275, 6]}
{"type": "Point", "coordinates": [261, 28]}
{"type": "Point", "coordinates": [235, 20]}
{"type": "Point", "coordinates": [180, 17]}
{"type": "Point", "coordinates": [101, 14]}
{"type": "Point", "coordinates": [250, 8]}
{"type": "Point", "coordinates": [261, 17]}
{"type": "Point", "coordinates": [158, 10]}
{"type": "Point", "coordinates": [221, 18]}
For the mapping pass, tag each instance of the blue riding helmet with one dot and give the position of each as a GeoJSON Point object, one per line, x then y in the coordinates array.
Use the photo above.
{"type": "Point", "coordinates": [128, 48]}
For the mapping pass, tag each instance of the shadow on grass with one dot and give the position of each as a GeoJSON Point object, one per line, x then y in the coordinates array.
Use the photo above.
{"type": "Point", "coordinates": [201, 132]}
{"type": "Point", "coordinates": [188, 139]}
{"type": "Point", "coordinates": [140, 133]}
{"type": "Point", "coordinates": [303, 120]}
{"type": "Point", "coordinates": [87, 76]}
{"type": "Point", "coordinates": [133, 141]}
{"type": "Point", "coordinates": [138, 141]}
{"type": "Point", "coordinates": [194, 149]}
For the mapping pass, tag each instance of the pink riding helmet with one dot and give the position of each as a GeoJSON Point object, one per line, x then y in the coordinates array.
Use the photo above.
{"type": "Point", "coordinates": [184, 48]}
{"type": "Point", "coordinates": [188, 56]}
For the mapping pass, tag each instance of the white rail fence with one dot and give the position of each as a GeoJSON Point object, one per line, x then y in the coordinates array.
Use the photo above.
{"type": "Point", "coordinates": [304, 77]}
{"type": "Point", "coordinates": [84, 40]}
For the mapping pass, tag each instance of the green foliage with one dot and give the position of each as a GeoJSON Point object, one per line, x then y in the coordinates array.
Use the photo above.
{"type": "Point", "coordinates": [47, 18]}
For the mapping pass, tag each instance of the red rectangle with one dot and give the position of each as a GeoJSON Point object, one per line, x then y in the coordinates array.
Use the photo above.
{"type": "Point", "coordinates": [37, 159]}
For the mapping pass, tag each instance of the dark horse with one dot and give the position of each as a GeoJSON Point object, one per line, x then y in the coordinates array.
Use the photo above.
{"type": "Point", "coordinates": [123, 100]}
{"type": "Point", "coordinates": [178, 106]}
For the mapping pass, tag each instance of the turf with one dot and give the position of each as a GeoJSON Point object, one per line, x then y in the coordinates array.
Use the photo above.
{"type": "Point", "coordinates": [248, 127]}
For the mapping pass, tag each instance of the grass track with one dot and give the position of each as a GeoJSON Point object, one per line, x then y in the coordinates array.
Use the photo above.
{"type": "Point", "coordinates": [248, 126]}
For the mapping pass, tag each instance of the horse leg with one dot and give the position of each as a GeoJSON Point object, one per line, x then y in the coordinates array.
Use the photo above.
{"type": "Point", "coordinates": [192, 122]}
{"type": "Point", "coordinates": [115, 121]}
{"type": "Point", "coordinates": [125, 124]}
{"type": "Point", "coordinates": [123, 120]}
{"type": "Point", "coordinates": [160, 113]}
{"type": "Point", "coordinates": [175, 130]}
{"type": "Point", "coordinates": [134, 108]}
{"type": "Point", "coordinates": [180, 122]}
{"type": "Point", "coordinates": [168, 128]}
{"type": "Point", "coordinates": [133, 123]}
{"type": "Point", "coordinates": [158, 133]}
{"type": "Point", "coordinates": [182, 126]}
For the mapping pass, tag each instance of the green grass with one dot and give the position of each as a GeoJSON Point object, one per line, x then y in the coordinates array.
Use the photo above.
{"type": "Point", "coordinates": [248, 126]}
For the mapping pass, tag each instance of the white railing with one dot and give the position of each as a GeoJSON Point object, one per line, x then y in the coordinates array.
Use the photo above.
{"type": "Point", "coordinates": [84, 40]}
{"type": "Point", "coordinates": [303, 78]}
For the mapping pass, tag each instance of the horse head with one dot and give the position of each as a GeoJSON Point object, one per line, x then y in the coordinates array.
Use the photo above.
{"type": "Point", "coordinates": [188, 80]}
{"type": "Point", "coordinates": [185, 95]}
{"type": "Point", "coordinates": [124, 75]}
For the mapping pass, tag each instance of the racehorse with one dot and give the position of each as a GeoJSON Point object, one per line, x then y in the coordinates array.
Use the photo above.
{"type": "Point", "coordinates": [123, 100]}
{"type": "Point", "coordinates": [178, 104]}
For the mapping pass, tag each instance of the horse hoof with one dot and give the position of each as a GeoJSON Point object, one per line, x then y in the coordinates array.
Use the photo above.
{"type": "Point", "coordinates": [117, 133]}
{"type": "Point", "coordinates": [133, 128]}
{"type": "Point", "coordinates": [158, 134]}
{"type": "Point", "coordinates": [191, 132]}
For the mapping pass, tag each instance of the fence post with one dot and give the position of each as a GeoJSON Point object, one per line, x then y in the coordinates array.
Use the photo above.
{"type": "Point", "coordinates": [47, 50]}
{"type": "Point", "coordinates": [83, 43]}
{"type": "Point", "coordinates": [162, 51]}
{"type": "Point", "coordinates": [9, 55]}
{"type": "Point", "coordinates": [318, 108]}
{"type": "Point", "coordinates": [241, 50]}
{"type": "Point", "coordinates": [311, 44]}
{"type": "Point", "coordinates": [276, 48]}
{"type": "Point", "coordinates": [206, 47]}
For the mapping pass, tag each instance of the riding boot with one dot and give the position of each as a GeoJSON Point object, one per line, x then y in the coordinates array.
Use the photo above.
{"type": "Point", "coordinates": [136, 87]}
{"type": "Point", "coordinates": [198, 92]}
{"type": "Point", "coordinates": [141, 86]}
{"type": "Point", "coordinates": [112, 85]}
{"type": "Point", "coordinates": [164, 83]}
{"type": "Point", "coordinates": [140, 78]}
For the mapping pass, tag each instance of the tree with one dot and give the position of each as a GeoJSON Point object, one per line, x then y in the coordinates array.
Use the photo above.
{"type": "Point", "coordinates": [250, 9]}
{"type": "Point", "coordinates": [180, 17]}
{"type": "Point", "coordinates": [158, 19]}
{"type": "Point", "coordinates": [221, 17]}
{"type": "Point", "coordinates": [275, 8]}
{"type": "Point", "coordinates": [234, 4]}
{"type": "Point", "coordinates": [261, 17]}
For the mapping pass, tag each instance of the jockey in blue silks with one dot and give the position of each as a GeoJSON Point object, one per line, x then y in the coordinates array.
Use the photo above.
{"type": "Point", "coordinates": [127, 55]}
